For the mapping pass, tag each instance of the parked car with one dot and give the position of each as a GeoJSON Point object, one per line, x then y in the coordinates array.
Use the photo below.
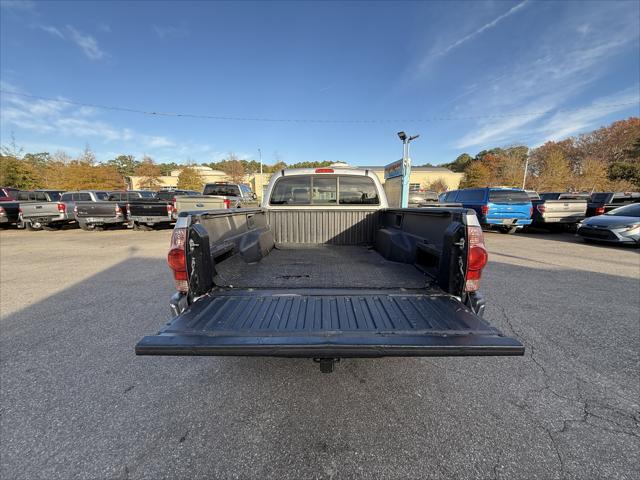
{"type": "Point", "coordinates": [237, 194]}
{"type": "Point", "coordinates": [620, 225]}
{"type": "Point", "coordinates": [603, 202]}
{"type": "Point", "coordinates": [506, 209]}
{"type": "Point", "coordinates": [8, 193]}
{"type": "Point", "coordinates": [422, 198]}
{"type": "Point", "coordinates": [558, 210]}
{"type": "Point", "coordinates": [347, 279]}
{"type": "Point", "coordinates": [43, 209]}
{"type": "Point", "coordinates": [9, 212]}
{"type": "Point", "coordinates": [94, 209]}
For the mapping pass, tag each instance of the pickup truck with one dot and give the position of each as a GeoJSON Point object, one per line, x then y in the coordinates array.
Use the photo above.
{"type": "Point", "coordinates": [236, 193]}
{"type": "Point", "coordinates": [193, 203]}
{"type": "Point", "coordinates": [603, 202]}
{"type": "Point", "coordinates": [316, 274]}
{"type": "Point", "coordinates": [43, 209]}
{"type": "Point", "coordinates": [9, 212]}
{"type": "Point", "coordinates": [101, 210]}
{"type": "Point", "coordinates": [145, 214]}
{"type": "Point", "coordinates": [505, 209]}
{"type": "Point", "coordinates": [171, 195]}
{"type": "Point", "coordinates": [555, 209]}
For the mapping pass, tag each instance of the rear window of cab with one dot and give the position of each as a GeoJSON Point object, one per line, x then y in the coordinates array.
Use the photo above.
{"type": "Point", "coordinates": [509, 196]}
{"type": "Point", "coordinates": [324, 190]}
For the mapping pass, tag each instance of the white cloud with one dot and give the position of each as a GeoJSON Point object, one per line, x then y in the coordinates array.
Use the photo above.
{"type": "Point", "coordinates": [554, 76]}
{"type": "Point", "coordinates": [87, 43]}
{"type": "Point", "coordinates": [51, 30]}
{"type": "Point", "coordinates": [483, 28]}
{"type": "Point", "coordinates": [59, 120]}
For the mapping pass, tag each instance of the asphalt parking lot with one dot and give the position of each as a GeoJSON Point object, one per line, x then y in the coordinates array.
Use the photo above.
{"type": "Point", "coordinates": [77, 403]}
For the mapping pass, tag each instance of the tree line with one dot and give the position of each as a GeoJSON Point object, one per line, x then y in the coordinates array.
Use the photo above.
{"type": "Point", "coordinates": [605, 159]}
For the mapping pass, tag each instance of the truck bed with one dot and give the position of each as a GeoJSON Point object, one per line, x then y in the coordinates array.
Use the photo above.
{"type": "Point", "coordinates": [326, 284]}
{"type": "Point", "coordinates": [320, 266]}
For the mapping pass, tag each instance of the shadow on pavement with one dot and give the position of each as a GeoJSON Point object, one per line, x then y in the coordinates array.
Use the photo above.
{"type": "Point", "coordinates": [77, 402]}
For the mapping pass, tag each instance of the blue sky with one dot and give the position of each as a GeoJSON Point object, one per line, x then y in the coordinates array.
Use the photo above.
{"type": "Point", "coordinates": [473, 71]}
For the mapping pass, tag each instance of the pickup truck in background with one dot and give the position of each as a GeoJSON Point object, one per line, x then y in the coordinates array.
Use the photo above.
{"type": "Point", "coordinates": [505, 209]}
{"type": "Point", "coordinates": [9, 212]}
{"type": "Point", "coordinates": [558, 210]}
{"type": "Point", "coordinates": [325, 270]}
{"type": "Point", "coordinates": [422, 198]}
{"type": "Point", "coordinates": [9, 193]}
{"type": "Point", "coordinates": [170, 197]}
{"type": "Point", "coordinates": [603, 202]}
{"type": "Point", "coordinates": [194, 203]}
{"type": "Point", "coordinates": [102, 211]}
{"type": "Point", "coordinates": [146, 214]}
{"type": "Point", "coordinates": [43, 209]}
{"type": "Point", "coordinates": [237, 194]}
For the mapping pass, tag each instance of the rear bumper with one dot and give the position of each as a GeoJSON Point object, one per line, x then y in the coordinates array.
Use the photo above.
{"type": "Point", "coordinates": [103, 220]}
{"type": "Point", "coordinates": [567, 220]}
{"type": "Point", "coordinates": [151, 219]}
{"type": "Point", "coordinates": [506, 222]}
{"type": "Point", "coordinates": [47, 219]}
{"type": "Point", "coordinates": [331, 345]}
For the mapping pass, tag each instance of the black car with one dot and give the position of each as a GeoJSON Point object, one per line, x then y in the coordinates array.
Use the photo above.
{"type": "Point", "coordinates": [621, 225]}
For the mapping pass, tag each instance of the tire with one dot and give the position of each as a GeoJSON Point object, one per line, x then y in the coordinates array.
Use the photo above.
{"type": "Point", "coordinates": [33, 227]}
{"type": "Point", "coordinates": [508, 230]}
{"type": "Point", "coordinates": [87, 227]}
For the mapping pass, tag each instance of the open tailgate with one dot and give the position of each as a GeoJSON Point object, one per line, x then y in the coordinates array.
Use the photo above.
{"type": "Point", "coordinates": [328, 324]}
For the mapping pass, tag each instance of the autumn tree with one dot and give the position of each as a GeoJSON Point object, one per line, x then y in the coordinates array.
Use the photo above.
{"type": "Point", "coordinates": [554, 172]}
{"type": "Point", "coordinates": [190, 179]}
{"type": "Point", "coordinates": [476, 175]}
{"type": "Point", "coordinates": [150, 173]}
{"type": "Point", "coordinates": [438, 185]}
{"type": "Point", "coordinates": [592, 176]}
{"type": "Point", "coordinates": [124, 164]}
{"type": "Point", "coordinates": [232, 166]}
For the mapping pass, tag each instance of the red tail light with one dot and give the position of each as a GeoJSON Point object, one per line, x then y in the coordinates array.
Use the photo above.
{"type": "Point", "coordinates": [227, 203]}
{"type": "Point", "coordinates": [2, 212]}
{"type": "Point", "coordinates": [177, 259]}
{"type": "Point", "coordinates": [541, 208]}
{"type": "Point", "coordinates": [600, 211]}
{"type": "Point", "coordinates": [169, 208]}
{"type": "Point", "coordinates": [484, 209]}
{"type": "Point", "coordinates": [118, 210]}
{"type": "Point", "coordinates": [324, 170]}
{"type": "Point", "coordinates": [477, 257]}
{"type": "Point", "coordinates": [75, 209]}
{"type": "Point", "coordinates": [62, 208]}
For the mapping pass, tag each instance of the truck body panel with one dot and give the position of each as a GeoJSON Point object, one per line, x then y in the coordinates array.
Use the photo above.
{"type": "Point", "coordinates": [562, 211]}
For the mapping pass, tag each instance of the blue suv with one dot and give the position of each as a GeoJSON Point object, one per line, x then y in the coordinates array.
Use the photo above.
{"type": "Point", "coordinates": [506, 209]}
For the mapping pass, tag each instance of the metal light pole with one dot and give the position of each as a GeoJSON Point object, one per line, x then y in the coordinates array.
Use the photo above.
{"type": "Point", "coordinates": [526, 167]}
{"type": "Point", "coordinates": [260, 154]}
{"type": "Point", "coordinates": [406, 167]}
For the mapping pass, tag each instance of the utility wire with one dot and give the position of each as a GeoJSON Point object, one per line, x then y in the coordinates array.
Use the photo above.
{"type": "Point", "coordinates": [309, 120]}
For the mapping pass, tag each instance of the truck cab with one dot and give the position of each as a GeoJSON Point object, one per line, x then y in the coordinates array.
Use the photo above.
{"type": "Point", "coordinates": [325, 270]}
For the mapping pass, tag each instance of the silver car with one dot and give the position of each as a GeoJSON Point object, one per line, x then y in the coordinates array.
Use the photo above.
{"type": "Point", "coordinates": [620, 225]}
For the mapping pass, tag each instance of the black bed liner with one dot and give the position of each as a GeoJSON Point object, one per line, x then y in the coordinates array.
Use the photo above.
{"type": "Point", "coordinates": [328, 323]}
